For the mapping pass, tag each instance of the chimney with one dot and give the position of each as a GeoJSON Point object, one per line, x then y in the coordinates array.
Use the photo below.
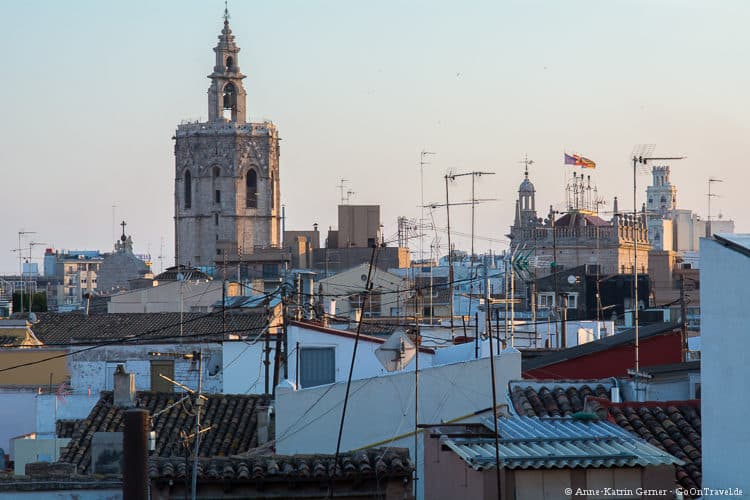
{"type": "Point", "coordinates": [356, 314]}
{"type": "Point", "coordinates": [124, 388]}
{"type": "Point", "coordinates": [263, 425]}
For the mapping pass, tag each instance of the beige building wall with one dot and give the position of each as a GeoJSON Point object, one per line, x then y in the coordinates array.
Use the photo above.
{"type": "Point", "coordinates": [359, 225]}
{"type": "Point", "coordinates": [173, 296]}
{"type": "Point", "coordinates": [51, 371]}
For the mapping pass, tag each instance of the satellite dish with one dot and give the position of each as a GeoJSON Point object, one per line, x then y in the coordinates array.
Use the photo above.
{"type": "Point", "coordinates": [571, 279]}
{"type": "Point", "coordinates": [396, 353]}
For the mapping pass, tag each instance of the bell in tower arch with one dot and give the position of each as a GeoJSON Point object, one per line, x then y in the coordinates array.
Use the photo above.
{"type": "Point", "coordinates": [230, 96]}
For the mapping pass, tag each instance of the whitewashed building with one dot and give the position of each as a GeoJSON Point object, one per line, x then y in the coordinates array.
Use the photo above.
{"type": "Point", "coordinates": [725, 274]}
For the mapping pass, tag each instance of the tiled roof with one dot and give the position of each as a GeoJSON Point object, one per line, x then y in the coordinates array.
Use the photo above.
{"type": "Point", "coordinates": [365, 464]}
{"type": "Point", "coordinates": [76, 328]}
{"type": "Point", "coordinates": [554, 400]}
{"type": "Point", "coordinates": [674, 427]}
{"type": "Point", "coordinates": [65, 428]}
{"type": "Point", "coordinates": [534, 443]}
{"type": "Point", "coordinates": [232, 418]}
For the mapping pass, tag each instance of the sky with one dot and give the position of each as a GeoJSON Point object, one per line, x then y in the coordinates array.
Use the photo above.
{"type": "Point", "coordinates": [92, 93]}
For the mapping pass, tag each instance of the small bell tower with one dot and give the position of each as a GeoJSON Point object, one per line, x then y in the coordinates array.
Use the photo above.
{"type": "Point", "coordinates": [226, 95]}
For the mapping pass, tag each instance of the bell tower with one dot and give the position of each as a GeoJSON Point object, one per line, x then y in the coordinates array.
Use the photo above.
{"type": "Point", "coordinates": [227, 184]}
{"type": "Point", "coordinates": [526, 203]}
{"type": "Point", "coordinates": [226, 95]}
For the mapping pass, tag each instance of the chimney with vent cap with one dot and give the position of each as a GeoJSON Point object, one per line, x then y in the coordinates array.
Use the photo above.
{"type": "Point", "coordinates": [124, 388]}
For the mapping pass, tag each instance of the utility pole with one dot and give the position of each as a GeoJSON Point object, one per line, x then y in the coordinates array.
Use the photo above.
{"type": "Point", "coordinates": [474, 201]}
{"type": "Point", "coordinates": [199, 401]}
{"type": "Point", "coordinates": [422, 162]}
{"type": "Point", "coordinates": [342, 185]}
{"type": "Point", "coordinates": [711, 180]}
{"type": "Point", "coordinates": [32, 244]}
{"type": "Point", "coordinates": [556, 298]}
{"type": "Point", "coordinates": [450, 256]}
{"type": "Point", "coordinates": [198, 407]}
{"type": "Point", "coordinates": [636, 233]}
{"type": "Point", "coordinates": [683, 314]}
{"type": "Point", "coordinates": [492, 375]}
{"type": "Point", "coordinates": [447, 206]}
{"type": "Point", "coordinates": [20, 262]}
{"type": "Point", "coordinates": [417, 294]}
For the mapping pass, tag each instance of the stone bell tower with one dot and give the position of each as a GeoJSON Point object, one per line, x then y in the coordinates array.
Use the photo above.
{"type": "Point", "coordinates": [227, 195]}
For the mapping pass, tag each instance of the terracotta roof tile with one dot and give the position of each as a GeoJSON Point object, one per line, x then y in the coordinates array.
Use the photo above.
{"type": "Point", "coordinates": [75, 328]}
{"type": "Point", "coordinates": [65, 428]}
{"type": "Point", "coordinates": [554, 401]}
{"type": "Point", "coordinates": [674, 427]}
{"type": "Point", "coordinates": [363, 464]}
{"type": "Point", "coordinates": [232, 418]}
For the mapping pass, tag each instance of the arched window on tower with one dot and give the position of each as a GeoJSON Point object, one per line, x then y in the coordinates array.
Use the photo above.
{"type": "Point", "coordinates": [230, 64]}
{"type": "Point", "coordinates": [251, 189]}
{"type": "Point", "coordinates": [188, 185]}
{"type": "Point", "coordinates": [216, 187]}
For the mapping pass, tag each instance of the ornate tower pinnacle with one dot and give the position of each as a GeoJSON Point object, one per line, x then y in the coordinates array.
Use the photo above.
{"type": "Point", "coordinates": [226, 95]}
{"type": "Point", "coordinates": [526, 204]}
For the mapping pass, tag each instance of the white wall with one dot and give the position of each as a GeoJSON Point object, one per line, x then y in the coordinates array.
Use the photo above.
{"type": "Point", "coordinates": [381, 408]}
{"type": "Point", "coordinates": [17, 414]}
{"type": "Point", "coordinates": [88, 369]}
{"type": "Point", "coordinates": [35, 450]}
{"type": "Point", "coordinates": [244, 372]}
{"type": "Point", "coordinates": [725, 404]}
{"type": "Point", "coordinates": [50, 408]}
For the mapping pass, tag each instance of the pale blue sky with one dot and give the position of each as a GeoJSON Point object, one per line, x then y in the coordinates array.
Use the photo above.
{"type": "Point", "coordinates": [93, 91]}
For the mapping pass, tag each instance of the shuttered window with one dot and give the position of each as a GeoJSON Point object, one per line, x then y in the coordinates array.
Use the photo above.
{"type": "Point", "coordinates": [317, 366]}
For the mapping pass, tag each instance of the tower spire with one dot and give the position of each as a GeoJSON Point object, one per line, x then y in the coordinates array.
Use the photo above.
{"type": "Point", "coordinates": [226, 96]}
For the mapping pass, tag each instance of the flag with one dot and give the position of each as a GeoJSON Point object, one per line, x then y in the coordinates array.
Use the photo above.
{"type": "Point", "coordinates": [586, 163]}
{"type": "Point", "coordinates": [579, 161]}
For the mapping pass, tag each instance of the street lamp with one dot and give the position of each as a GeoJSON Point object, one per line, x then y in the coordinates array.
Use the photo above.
{"type": "Point", "coordinates": [643, 161]}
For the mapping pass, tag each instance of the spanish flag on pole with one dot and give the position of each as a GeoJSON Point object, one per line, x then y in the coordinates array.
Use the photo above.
{"type": "Point", "coordinates": [579, 161]}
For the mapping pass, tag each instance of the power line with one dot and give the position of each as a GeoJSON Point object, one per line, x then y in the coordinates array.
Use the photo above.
{"type": "Point", "coordinates": [351, 372]}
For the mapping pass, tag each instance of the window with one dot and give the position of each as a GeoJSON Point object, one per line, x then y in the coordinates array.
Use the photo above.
{"type": "Point", "coordinates": [230, 64]}
{"type": "Point", "coordinates": [188, 190]}
{"type": "Point", "coordinates": [546, 300]}
{"type": "Point", "coordinates": [216, 223]}
{"type": "Point", "coordinates": [317, 366]}
{"type": "Point", "coordinates": [165, 368]}
{"type": "Point", "coordinates": [215, 184]}
{"type": "Point", "coordinates": [572, 300]}
{"type": "Point", "coordinates": [251, 189]}
{"type": "Point", "coordinates": [218, 251]}
{"type": "Point", "coordinates": [270, 271]}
